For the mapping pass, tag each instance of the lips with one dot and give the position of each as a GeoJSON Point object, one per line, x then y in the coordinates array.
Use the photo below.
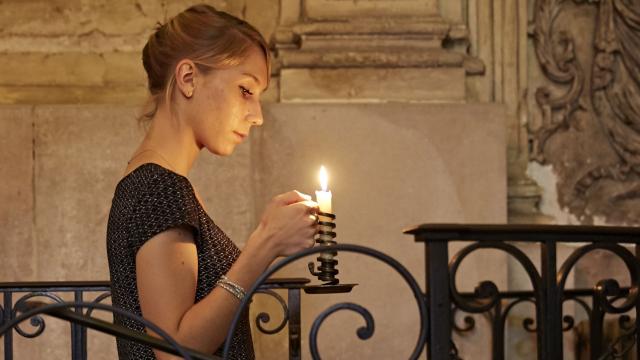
{"type": "Point", "coordinates": [240, 135]}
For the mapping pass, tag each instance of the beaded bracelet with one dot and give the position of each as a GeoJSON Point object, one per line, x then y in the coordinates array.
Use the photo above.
{"type": "Point", "coordinates": [233, 288]}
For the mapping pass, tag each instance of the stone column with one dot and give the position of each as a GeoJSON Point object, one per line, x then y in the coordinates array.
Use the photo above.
{"type": "Point", "coordinates": [498, 35]}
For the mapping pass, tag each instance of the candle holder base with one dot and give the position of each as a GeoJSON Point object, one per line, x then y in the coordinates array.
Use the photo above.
{"type": "Point", "coordinates": [328, 289]}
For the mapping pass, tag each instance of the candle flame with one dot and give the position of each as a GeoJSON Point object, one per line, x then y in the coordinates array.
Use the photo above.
{"type": "Point", "coordinates": [324, 178]}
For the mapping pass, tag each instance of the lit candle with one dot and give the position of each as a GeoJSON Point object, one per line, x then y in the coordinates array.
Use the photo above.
{"type": "Point", "coordinates": [323, 197]}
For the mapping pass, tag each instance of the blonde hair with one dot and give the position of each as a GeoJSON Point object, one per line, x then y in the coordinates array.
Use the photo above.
{"type": "Point", "coordinates": [210, 38]}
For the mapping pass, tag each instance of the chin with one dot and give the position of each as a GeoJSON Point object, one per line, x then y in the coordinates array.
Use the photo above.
{"type": "Point", "coordinates": [226, 151]}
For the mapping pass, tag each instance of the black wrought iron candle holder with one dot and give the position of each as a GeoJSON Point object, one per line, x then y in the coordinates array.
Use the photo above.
{"type": "Point", "coordinates": [327, 270]}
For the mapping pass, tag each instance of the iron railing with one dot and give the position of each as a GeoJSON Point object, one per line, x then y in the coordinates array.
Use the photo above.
{"type": "Point", "coordinates": [549, 291]}
{"type": "Point", "coordinates": [22, 297]}
{"type": "Point", "coordinates": [440, 301]}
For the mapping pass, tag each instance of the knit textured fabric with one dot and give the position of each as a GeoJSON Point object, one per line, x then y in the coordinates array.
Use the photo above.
{"type": "Point", "coordinates": [148, 201]}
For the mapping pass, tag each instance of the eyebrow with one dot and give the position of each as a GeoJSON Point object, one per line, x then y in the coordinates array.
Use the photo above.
{"type": "Point", "coordinates": [255, 78]}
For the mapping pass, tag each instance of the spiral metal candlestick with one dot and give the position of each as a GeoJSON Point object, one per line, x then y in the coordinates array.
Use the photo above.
{"type": "Point", "coordinates": [326, 271]}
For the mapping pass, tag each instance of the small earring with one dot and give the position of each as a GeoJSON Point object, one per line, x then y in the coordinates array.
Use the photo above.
{"type": "Point", "coordinates": [190, 93]}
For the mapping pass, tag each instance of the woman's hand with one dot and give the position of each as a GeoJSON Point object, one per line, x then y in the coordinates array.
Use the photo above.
{"type": "Point", "coordinates": [288, 224]}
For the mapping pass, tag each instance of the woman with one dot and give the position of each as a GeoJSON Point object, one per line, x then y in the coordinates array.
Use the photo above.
{"type": "Point", "coordinates": [168, 260]}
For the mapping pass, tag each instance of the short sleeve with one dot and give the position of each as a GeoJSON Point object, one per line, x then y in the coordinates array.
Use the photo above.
{"type": "Point", "coordinates": [167, 201]}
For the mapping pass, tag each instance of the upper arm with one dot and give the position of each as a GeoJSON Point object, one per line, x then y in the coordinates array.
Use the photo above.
{"type": "Point", "coordinates": [167, 275]}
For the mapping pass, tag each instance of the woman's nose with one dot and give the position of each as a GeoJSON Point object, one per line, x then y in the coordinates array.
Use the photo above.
{"type": "Point", "coordinates": [255, 114]}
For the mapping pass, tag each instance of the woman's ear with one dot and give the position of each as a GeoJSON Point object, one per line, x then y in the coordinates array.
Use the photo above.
{"type": "Point", "coordinates": [185, 74]}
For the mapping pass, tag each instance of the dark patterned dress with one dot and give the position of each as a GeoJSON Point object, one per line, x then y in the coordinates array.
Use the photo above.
{"type": "Point", "coordinates": [147, 201]}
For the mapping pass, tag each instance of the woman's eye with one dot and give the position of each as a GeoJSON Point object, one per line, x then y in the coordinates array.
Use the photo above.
{"type": "Point", "coordinates": [245, 91]}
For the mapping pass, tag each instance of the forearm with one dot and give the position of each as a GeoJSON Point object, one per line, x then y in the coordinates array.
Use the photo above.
{"type": "Point", "coordinates": [256, 256]}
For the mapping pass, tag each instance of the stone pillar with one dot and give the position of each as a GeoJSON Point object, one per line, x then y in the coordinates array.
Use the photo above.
{"type": "Point", "coordinates": [498, 35]}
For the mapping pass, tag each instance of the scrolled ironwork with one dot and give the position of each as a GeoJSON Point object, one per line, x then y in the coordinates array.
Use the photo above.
{"type": "Point", "coordinates": [31, 313]}
{"type": "Point", "coordinates": [97, 300]}
{"type": "Point", "coordinates": [570, 320]}
{"type": "Point", "coordinates": [487, 293]}
{"type": "Point", "coordinates": [263, 317]}
{"type": "Point", "coordinates": [625, 322]}
{"type": "Point", "coordinates": [527, 323]}
{"type": "Point", "coordinates": [36, 321]}
{"type": "Point", "coordinates": [583, 304]}
{"type": "Point", "coordinates": [469, 322]}
{"type": "Point", "coordinates": [364, 332]}
{"type": "Point", "coordinates": [397, 266]}
{"type": "Point", "coordinates": [607, 291]}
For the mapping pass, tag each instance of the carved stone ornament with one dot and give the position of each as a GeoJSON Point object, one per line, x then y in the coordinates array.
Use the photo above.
{"type": "Point", "coordinates": [390, 43]}
{"type": "Point", "coordinates": [342, 51]}
{"type": "Point", "coordinates": [590, 127]}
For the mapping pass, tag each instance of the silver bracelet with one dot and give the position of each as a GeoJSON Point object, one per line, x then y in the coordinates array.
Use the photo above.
{"type": "Point", "coordinates": [233, 288]}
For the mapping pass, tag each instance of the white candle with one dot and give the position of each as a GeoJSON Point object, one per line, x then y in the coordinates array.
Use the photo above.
{"type": "Point", "coordinates": [323, 197]}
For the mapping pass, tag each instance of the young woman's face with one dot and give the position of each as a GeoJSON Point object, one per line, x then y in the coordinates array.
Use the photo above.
{"type": "Point", "coordinates": [226, 104]}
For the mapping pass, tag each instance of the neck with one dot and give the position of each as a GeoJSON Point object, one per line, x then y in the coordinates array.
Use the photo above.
{"type": "Point", "coordinates": [172, 140]}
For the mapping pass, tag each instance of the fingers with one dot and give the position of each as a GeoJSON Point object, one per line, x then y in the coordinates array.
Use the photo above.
{"type": "Point", "coordinates": [292, 197]}
{"type": "Point", "coordinates": [311, 206]}
{"type": "Point", "coordinates": [307, 206]}
{"type": "Point", "coordinates": [293, 218]}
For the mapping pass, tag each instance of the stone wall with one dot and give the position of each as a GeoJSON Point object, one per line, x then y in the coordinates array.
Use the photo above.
{"type": "Point", "coordinates": [64, 237]}
{"type": "Point", "coordinates": [88, 51]}
{"type": "Point", "coordinates": [384, 93]}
